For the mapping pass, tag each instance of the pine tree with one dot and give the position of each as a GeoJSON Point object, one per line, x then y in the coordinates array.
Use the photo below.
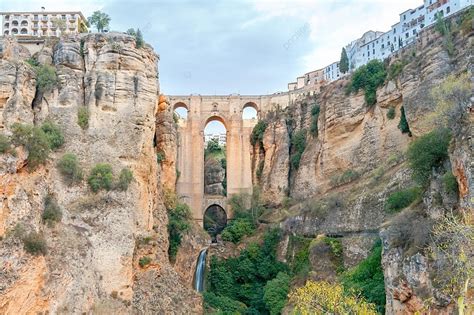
{"type": "Point", "coordinates": [344, 62]}
{"type": "Point", "coordinates": [139, 39]}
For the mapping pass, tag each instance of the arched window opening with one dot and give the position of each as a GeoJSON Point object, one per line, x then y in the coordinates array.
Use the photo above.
{"type": "Point", "coordinates": [180, 111]}
{"type": "Point", "coordinates": [215, 162]}
{"type": "Point", "coordinates": [250, 111]}
{"type": "Point", "coordinates": [215, 220]}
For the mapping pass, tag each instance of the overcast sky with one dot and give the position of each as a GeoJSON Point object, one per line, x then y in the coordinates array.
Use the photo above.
{"type": "Point", "coordinates": [238, 46]}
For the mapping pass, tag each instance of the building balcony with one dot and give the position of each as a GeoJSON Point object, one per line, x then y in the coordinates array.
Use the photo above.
{"type": "Point", "coordinates": [72, 19]}
{"type": "Point", "coordinates": [35, 26]}
{"type": "Point", "coordinates": [44, 19]}
{"type": "Point", "coordinates": [44, 26]}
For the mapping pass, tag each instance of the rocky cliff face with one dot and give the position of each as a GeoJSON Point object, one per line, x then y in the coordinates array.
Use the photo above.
{"type": "Point", "coordinates": [355, 160]}
{"type": "Point", "coordinates": [93, 253]}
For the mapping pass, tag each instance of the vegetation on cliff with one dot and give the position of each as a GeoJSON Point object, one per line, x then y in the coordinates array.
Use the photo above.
{"type": "Point", "coordinates": [427, 152]}
{"type": "Point", "coordinates": [70, 169]}
{"type": "Point", "coordinates": [369, 77]}
{"type": "Point", "coordinates": [325, 298]}
{"type": "Point", "coordinates": [179, 216]}
{"type": "Point", "coordinates": [38, 141]}
{"type": "Point", "coordinates": [367, 279]}
{"type": "Point", "coordinates": [243, 278]}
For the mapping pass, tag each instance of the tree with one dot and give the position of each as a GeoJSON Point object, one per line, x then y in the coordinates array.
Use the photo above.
{"type": "Point", "coordinates": [324, 298]}
{"type": "Point", "coordinates": [275, 292]}
{"type": "Point", "coordinates": [131, 31]}
{"type": "Point", "coordinates": [139, 39]}
{"type": "Point", "coordinates": [100, 19]}
{"type": "Point", "coordinates": [344, 62]}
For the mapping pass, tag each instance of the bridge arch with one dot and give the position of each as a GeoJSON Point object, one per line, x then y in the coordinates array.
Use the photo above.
{"type": "Point", "coordinates": [250, 110]}
{"type": "Point", "coordinates": [218, 118]}
{"type": "Point", "coordinates": [214, 219]}
{"type": "Point", "coordinates": [181, 109]}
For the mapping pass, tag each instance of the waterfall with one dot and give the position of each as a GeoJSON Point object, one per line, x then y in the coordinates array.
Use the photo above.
{"type": "Point", "coordinates": [199, 273]}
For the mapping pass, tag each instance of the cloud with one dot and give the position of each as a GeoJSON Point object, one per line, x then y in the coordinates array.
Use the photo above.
{"type": "Point", "coordinates": [334, 23]}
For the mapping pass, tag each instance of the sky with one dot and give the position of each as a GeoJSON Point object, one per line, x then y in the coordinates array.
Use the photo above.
{"type": "Point", "coordinates": [238, 46]}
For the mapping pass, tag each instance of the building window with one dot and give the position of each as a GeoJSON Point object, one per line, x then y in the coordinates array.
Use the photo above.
{"type": "Point", "coordinates": [368, 54]}
{"type": "Point", "coordinates": [383, 46]}
{"type": "Point", "coordinates": [414, 32]}
{"type": "Point", "coordinates": [404, 17]}
{"type": "Point", "coordinates": [394, 31]}
{"type": "Point", "coordinates": [406, 35]}
{"type": "Point", "coordinates": [448, 9]}
{"type": "Point", "coordinates": [373, 51]}
{"type": "Point", "coordinates": [63, 17]}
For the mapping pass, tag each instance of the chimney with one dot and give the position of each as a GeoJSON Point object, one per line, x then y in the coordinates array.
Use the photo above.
{"type": "Point", "coordinates": [42, 9]}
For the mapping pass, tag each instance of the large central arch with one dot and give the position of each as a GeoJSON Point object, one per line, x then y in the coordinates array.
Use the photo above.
{"type": "Point", "coordinates": [190, 158]}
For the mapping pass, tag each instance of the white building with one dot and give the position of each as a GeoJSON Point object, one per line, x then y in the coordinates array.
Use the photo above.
{"type": "Point", "coordinates": [220, 137]}
{"type": "Point", "coordinates": [379, 45]}
{"type": "Point", "coordinates": [331, 72]}
{"type": "Point", "coordinates": [41, 23]}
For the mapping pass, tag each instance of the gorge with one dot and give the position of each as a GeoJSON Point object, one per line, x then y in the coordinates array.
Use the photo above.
{"type": "Point", "coordinates": [322, 189]}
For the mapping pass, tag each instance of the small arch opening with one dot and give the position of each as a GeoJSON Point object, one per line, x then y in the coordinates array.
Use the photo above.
{"type": "Point", "coordinates": [180, 111]}
{"type": "Point", "coordinates": [14, 31]}
{"type": "Point", "coordinates": [249, 111]}
{"type": "Point", "coordinates": [24, 31]}
{"type": "Point", "coordinates": [215, 220]}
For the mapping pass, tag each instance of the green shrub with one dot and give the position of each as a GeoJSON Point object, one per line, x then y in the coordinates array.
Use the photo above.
{"type": "Point", "coordinates": [32, 62]}
{"type": "Point", "coordinates": [160, 157]}
{"type": "Point", "coordinates": [337, 256]}
{"type": "Point", "coordinates": [70, 169]}
{"type": "Point", "coordinates": [298, 145]}
{"type": "Point", "coordinates": [34, 243]}
{"type": "Point", "coordinates": [83, 117]}
{"type": "Point", "coordinates": [315, 110]}
{"type": "Point", "coordinates": [403, 124]}
{"type": "Point", "coordinates": [237, 229]}
{"type": "Point", "coordinates": [52, 212]}
{"type": "Point", "coordinates": [402, 199]}
{"type": "Point", "coordinates": [125, 178]}
{"type": "Point", "coordinates": [213, 147]}
{"type": "Point", "coordinates": [178, 223]}
{"type": "Point", "coordinates": [243, 278]}
{"type": "Point", "coordinates": [54, 134]}
{"type": "Point", "coordinates": [346, 177]}
{"type": "Point", "coordinates": [144, 261]}
{"type": "Point", "coordinates": [427, 152]}
{"type": "Point", "coordinates": [391, 113]}
{"type": "Point", "coordinates": [276, 292]}
{"type": "Point", "coordinates": [450, 183]}
{"type": "Point", "coordinates": [223, 304]}
{"type": "Point", "coordinates": [46, 78]}
{"type": "Point", "coordinates": [258, 132]}
{"type": "Point", "coordinates": [396, 69]}
{"type": "Point", "coordinates": [259, 171]}
{"type": "Point", "coordinates": [297, 255]}
{"type": "Point", "coordinates": [101, 177]}
{"type": "Point", "coordinates": [314, 120]}
{"type": "Point", "coordinates": [4, 144]}
{"type": "Point", "coordinates": [465, 23]}
{"type": "Point", "coordinates": [35, 142]}
{"type": "Point", "coordinates": [367, 279]}
{"type": "Point", "coordinates": [369, 77]}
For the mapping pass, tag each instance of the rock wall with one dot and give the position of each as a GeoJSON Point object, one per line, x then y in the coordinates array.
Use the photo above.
{"type": "Point", "coordinates": [360, 139]}
{"type": "Point", "coordinates": [93, 253]}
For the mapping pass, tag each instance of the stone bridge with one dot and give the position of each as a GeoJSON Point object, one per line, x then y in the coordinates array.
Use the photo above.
{"type": "Point", "coordinates": [190, 158]}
